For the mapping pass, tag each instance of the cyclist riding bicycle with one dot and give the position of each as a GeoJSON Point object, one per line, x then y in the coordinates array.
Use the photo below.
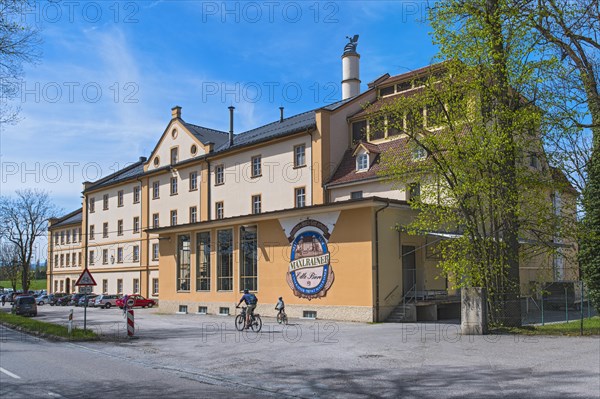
{"type": "Point", "coordinates": [251, 300]}
{"type": "Point", "coordinates": [280, 306]}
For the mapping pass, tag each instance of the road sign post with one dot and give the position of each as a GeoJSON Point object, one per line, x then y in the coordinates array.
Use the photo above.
{"type": "Point", "coordinates": [87, 281]}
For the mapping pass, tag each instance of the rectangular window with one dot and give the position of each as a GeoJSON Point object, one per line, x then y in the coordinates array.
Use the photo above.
{"type": "Point", "coordinates": [300, 197]}
{"type": "Point", "coordinates": [74, 235]}
{"type": "Point", "coordinates": [120, 227]}
{"type": "Point", "coordinates": [404, 86]}
{"type": "Point", "coordinates": [105, 286]}
{"type": "Point", "coordinates": [224, 260]}
{"type": "Point", "coordinates": [62, 237]}
{"type": "Point", "coordinates": [193, 214]}
{"type": "Point", "coordinates": [62, 285]}
{"type": "Point", "coordinates": [256, 166]}
{"type": "Point", "coordinates": [62, 260]}
{"type": "Point", "coordinates": [256, 204]}
{"type": "Point", "coordinates": [414, 191]}
{"type": "Point", "coordinates": [173, 218]}
{"type": "Point", "coordinates": [183, 263]}
{"type": "Point", "coordinates": [309, 314]}
{"type": "Point", "coordinates": [154, 286]}
{"type": "Point", "coordinates": [183, 309]}
{"type": "Point", "coordinates": [119, 286]}
{"type": "Point", "coordinates": [377, 128]}
{"type": "Point", "coordinates": [174, 155]}
{"type": "Point", "coordinates": [356, 195]}
{"type": "Point", "coordinates": [173, 185]}
{"type": "Point", "coordinates": [155, 190]}
{"type": "Point", "coordinates": [119, 255]}
{"type": "Point", "coordinates": [55, 238]}
{"type": "Point", "coordinates": [55, 286]}
{"type": "Point", "coordinates": [91, 232]}
{"type": "Point", "coordinates": [120, 198]}
{"type": "Point", "coordinates": [91, 261]}
{"type": "Point", "coordinates": [249, 258]}
{"type": "Point", "coordinates": [299, 156]}
{"type": "Point", "coordinates": [136, 253]}
{"type": "Point", "coordinates": [359, 131]}
{"type": "Point", "coordinates": [68, 260]}
{"type": "Point", "coordinates": [435, 115]}
{"type": "Point", "coordinates": [79, 234]}
{"type": "Point", "coordinates": [105, 230]}
{"type": "Point", "coordinates": [155, 221]}
{"type": "Point", "coordinates": [219, 175]}
{"type": "Point", "coordinates": [105, 256]}
{"type": "Point", "coordinates": [219, 210]}
{"type": "Point", "coordinates": [386, 91]}
{"type": "Point", "coordinates": [154, 251]}
{"type": "Point", "coordinates": [55, 260]}
{"type": "Point", "coordinates": [223, 311]}
{"type": "Point", "coordinates": [105, 202]}
{"type": "Point", "coordinates": [92, 204]}
{"type": "Point", "coordinates": [79, 259]}
{"type": "Point", "coordinates": [202, 309]}
{"type": "Point", "coordinates": [68, 236]}
{"type": "Point", "coordinates": [394, 127]}
{"type": "Point", "coordinates": [203, 261]}
{"type": "Point", "coordinates": [136, 195]}
{"type": "Point", "coordinates": [193, 181]}
{"type": "Point", "coordinates": [362, 162]}
{"type": "Point", "coordinates": [136, 224]}
{"type": "Point", "coordinates": [136, 285]}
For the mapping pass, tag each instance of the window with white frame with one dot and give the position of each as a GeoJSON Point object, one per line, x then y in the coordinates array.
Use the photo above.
{"type": "Point", "coordinates": [154, 286]}
{"type": "Point", "coordinates": [120, 255]}
{"type": "Point", "coordinates": [203, 261]}
{"type": "Point", "coordinates": [105, 230]}
{"type": "Point", "coordinates": [120, 227]}
{"type": "Point", "coordinates": [224, 260]}
{"type": "Point", "coordinates": [300, 197]}
{"type": "Point", "coordinates": [155, 221]}
{"type": "Point", "coordinates": [105, 202]}
{"type": "Point", "coordinates": [120, 198]}
{"type": "Point", "coordinates": [105, 256]}
{"type": "Point", "coordinates": [356, 195]}
{"type": "Point", "coordinates": [91, 261]}
{"type": "Point", "coordinates": [174, 218]}
{"type": "Point", "coordinates": [136, 253]}
{"type": "Point", "coordinates": [183, 263]}
{"type": "Point", "coordinates": [136, 194]}
{"type": "Point", "coordinates": [248, 258]}
{"type": "Point", "coordinates": [119, 286]}
{"type": "Point", "coordinates": [362, 162]}
{"type": "Point", "coordinates": [174, 155]}
{"type": "Point", "coordinates": [136, 285]}
{"type": "Point", "coordinates": [173, 185]}
{"type": "Point", "coordinates": [256, 166]}
{"type": "Point", "coordinates": [256, 204]}
{"type": "Point", "coordinates": [299, 155]}
{"type": "Point", "coordinates": [136, 224]}
{"type": "Point", "coordinates": [92, 204]}
{"type": "Point", "coordinates": [155, 190]}
{"type": "Point", "coordinates": [91, 233]}
{"type": "Point", "coordinates": [105, 286]}
{"type": "Point", "coordinates": [219, 210]}
{"type": "Point", "coordinates": [418, 153]}
{"type": "Point", "coordinates": [219, 175]}
{"type": "Point", "coordinates": [193, 214]}
{"type": "Point", "coordinates": [193, 181]}
{"type": "Point", "coordinates": [68, 236]}
{"type": "Point", "coordinates": [155, 251]}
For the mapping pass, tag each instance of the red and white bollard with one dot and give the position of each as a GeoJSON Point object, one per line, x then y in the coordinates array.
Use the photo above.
{"type": "Point", "coordinates": [130, 325]}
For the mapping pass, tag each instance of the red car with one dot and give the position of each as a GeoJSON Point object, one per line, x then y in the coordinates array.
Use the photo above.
{"type": "Point", "coordinates": [139, 301]}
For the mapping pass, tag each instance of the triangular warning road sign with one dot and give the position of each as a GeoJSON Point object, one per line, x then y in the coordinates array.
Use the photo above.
{"type": "Point", "coordinates": [85, 279]}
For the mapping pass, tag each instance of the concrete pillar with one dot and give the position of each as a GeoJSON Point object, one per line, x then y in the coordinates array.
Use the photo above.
{"type": "Point", "coordinates": [473, 319]}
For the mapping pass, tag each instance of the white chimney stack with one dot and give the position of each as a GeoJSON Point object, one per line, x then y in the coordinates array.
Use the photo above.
{"type": "Point", "coordinates": [350, 69]}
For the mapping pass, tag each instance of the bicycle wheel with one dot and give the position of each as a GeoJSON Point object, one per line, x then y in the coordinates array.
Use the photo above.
{"type": "Point", "coordinates": [256, 324]}
{"type": "Point", "coordinates": [240, 321]}
{"type": "Point", "coordinates": [285, 319]}
{"type": "Point", "coordinates": [279, 318]}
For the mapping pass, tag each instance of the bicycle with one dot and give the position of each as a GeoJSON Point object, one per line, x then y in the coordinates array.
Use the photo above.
{"type": "Point", "coordinates": [282, 317]}
{"type": "Point", "coordinates": [255, 321]}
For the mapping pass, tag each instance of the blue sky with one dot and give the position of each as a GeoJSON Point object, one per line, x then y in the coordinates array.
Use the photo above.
{"type": "Point", "coordinates": [111, 71]}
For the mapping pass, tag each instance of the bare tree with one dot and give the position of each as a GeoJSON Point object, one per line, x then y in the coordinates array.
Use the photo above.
{"type": "Point", "coordinates": [10, 269]}
{"type": "Point", "coordinates": [19, 44]}
{"type": "Point", "coordinates": [23, 219]}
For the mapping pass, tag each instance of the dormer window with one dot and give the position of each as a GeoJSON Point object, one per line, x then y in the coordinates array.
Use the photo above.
{"type": "Point", "coordinates": [386, 91]}
{"type": "Point", "coordinates": [362, 162]}
{"type": "Point", "coordinates": [419, 153]}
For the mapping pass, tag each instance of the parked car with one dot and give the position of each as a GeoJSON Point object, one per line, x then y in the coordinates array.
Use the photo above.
{"type": "Point", "coordinates": [106, 301]}
{"type": "Point", "coordinates": [139, 301]}
{"type": "Point", "coordinates": [75, 299]}
{"type": "Point", "coordinates": [13, 295]}
{"type": "Point", "coordinates": [64, 301]}
{"type": "Point", "coordinates": [24, 305]}
{"type": "Point", "coordinates": [42, 299]}
{"type": "Point", "coordinates": [55, 297]}
{"type": "Point", "coordinates": [89, 298]}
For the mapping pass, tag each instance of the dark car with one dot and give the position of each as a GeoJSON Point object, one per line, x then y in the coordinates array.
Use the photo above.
{"type": "Point", "coordinates": [54, 298]}
{"type": "Point", "coordinates": [64, 301]}
{"type": "Point", "coordinates": [24, 305]}
{"type": "Point", "coordinates": [90, 298]}
{"type": "Point", "coordinates": [75, 299]}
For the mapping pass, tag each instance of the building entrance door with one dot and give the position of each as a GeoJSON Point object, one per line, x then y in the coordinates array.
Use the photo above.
{"type": "Point", "coordinates": [409, 270]}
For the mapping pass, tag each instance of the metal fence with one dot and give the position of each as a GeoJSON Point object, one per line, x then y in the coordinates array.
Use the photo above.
{"type": "Point", "coordinates": [557, 302]}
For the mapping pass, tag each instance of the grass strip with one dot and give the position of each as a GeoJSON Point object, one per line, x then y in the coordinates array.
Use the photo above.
{"type": "Point", "coordinates": [591, 326]}
{"type": "Point", "coordinates": [44, 329]}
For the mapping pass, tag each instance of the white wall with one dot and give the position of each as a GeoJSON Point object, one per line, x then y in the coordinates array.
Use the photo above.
{"type": "Point", "coordinates": [276, 185]}
{"type": "Point", "coordinates": [369, 189]}
{"type": "Point", "coordinates": [183, 141]}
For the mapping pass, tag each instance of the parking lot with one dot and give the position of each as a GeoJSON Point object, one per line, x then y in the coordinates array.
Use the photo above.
{"type": "Point", "coordinates": [320, 358]}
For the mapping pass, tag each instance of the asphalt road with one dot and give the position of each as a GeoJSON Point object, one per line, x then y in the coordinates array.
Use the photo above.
{"type": "Point", "coordinates": [35, 368]}
{"type": "Point", "coordinates": [203, 356]}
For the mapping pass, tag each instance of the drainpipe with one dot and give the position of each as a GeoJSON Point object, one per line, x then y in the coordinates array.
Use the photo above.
{"type": "Point", "coordinates": [208, 191]}
{"type": "Point", "coordinates": [377, 259]}
{"type": "Point", "coordinates": [147, 218]}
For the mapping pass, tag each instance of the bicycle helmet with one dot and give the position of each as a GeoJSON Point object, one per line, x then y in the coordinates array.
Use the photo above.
{"type": "Point", "coordinates": [246, 291]}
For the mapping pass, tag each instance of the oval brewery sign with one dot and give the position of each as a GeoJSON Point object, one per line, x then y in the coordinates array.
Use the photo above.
{"type": "Point", "coordinates": [310, 274]}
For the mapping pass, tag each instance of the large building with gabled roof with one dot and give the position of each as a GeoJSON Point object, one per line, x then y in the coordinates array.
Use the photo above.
{"type": "Point", "coordinates": [296, 208]}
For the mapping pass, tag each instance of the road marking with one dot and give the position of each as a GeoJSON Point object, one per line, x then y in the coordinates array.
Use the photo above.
{"type": "Point", "coordinates": [8, 373]}
{"type": "Point", "coordinates": [55, 395]}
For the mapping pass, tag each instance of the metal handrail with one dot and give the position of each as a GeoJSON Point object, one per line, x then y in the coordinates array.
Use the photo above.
{"type": "Point", "coordinates": [391, 292]}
